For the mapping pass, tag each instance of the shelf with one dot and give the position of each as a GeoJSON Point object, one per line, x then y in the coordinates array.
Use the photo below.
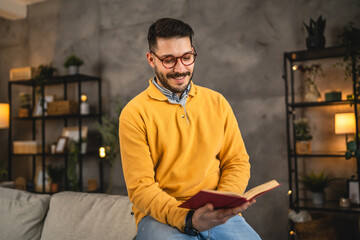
{"type": "Point", "coordinates": [95, 115]}
{"type": "Point", "coordinates": [51, 154]}
{"type": "Point", "coordinates": [305, 55]}
{"type": "Point", "coordinates": [62, 84]}
{"type": "Point", "coordinates": [58, 80]}
{"type": "Point", "coordinates": [320, 154]}
{"type": "Point", "coordinates": [329, 206]}
{"type": "Point", "coordinates": [319, 104]}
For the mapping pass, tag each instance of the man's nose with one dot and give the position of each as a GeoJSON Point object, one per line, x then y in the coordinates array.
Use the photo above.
{"type": "Point", "coordinates": [179, 66]}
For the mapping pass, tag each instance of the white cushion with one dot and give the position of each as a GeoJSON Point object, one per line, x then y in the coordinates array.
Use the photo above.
{"type": "Point", "coordinates": [74, 215]}
{"type": "Point", "coordinates": [21, 214]}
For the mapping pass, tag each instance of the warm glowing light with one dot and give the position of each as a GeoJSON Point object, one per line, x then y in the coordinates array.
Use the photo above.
{"type": "Point", "coordinates": [102, 152]}
{"type": "Point", "coordinates": [83, 98]}
{"type": "Point", "coordinates": [4, 115]}
{"type": "Point", "coordinates": [289, 192]}
{"type": "Point", "coordinates": [295, 67]}
{"type": "Point", "coordinates": [292, 233]}
{"type": "Point", "coordinates": [344, 123]}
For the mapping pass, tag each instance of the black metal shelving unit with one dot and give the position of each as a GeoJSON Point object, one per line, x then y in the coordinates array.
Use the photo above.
{"type": "Point", "coordinates": [295, 201]}
{"type": "Point", "coordinates": [68, 80]}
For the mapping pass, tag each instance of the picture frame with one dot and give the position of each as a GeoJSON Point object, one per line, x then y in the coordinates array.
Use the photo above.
{"type": "Point", "coordinates": [353, 190]}
{"type": "Point", "coordinates": [72, 133]}
{"type": "Point", "coordinates": [39, 180]}
{"type": "Point", "coordinates": [61, 144]}
{"type": "Point", "coordinates": [38, 109]}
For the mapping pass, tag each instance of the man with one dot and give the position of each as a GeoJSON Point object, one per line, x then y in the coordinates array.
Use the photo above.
{"type": "Point", "coordinates": [177, 138]}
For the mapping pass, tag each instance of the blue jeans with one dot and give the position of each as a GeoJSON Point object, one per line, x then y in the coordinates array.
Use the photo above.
{"type": "Point", "coordinates": [236, 228]}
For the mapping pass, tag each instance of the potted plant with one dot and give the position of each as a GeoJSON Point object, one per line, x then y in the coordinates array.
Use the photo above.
{"type": "Point", "coordinates": [25, 105]}
{"type": "Point", "coordinates": [3, 171]}
{"type": "Point", "coordinates": [73, 63]}
{"type": "Point", "coordinates": [351, 150]}
{"type": "Point", "coordinates": [71, 170]}
{"type": "Point", "coordinates": [315, 29]}
{"type": "Point", "coordinates": [312, 93]}
{"type": "Point", "coordinates": [108, 130]}
{"type": "Point", "coordinates": [56, 174]}
{"type": "Point", "coordinates": [302, 136]}
{"type": "Point", "coordinates": [316, 184]}
{"type": "Point", "coordinates": [44, 72]}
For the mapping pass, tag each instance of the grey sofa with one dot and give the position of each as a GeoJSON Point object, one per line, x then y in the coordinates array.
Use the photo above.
{"type": "Point", "coordinates": [64, 215]}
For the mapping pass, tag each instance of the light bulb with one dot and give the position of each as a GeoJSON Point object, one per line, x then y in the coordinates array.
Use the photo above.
{"type": "Point", "coordinates": [102, 152]}
{"type": "Point", "coordinates": [83, 98]}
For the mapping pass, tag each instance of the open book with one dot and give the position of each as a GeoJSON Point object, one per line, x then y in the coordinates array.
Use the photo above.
{"type": "Point", "coordinates": [227, 199]}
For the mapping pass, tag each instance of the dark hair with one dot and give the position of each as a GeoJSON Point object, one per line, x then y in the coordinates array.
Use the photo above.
{"type": "Point", "coordinates": [168, 28]}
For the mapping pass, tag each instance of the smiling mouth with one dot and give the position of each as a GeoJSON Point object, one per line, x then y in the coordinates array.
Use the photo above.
{"type": "Point", "coordinates": [178, 76]}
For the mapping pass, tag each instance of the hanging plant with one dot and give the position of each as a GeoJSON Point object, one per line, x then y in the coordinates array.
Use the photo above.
{"type": "Point", "coordinates": [350, 40]}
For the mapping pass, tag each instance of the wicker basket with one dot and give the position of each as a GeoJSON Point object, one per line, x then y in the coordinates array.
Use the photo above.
{"type": "Point", "coordinates": [23, 73]}
{"type": "Point", "coordinates": [321, 227]}
{"type": "Point", "coordinates": [62, 107]}
{"type": "Point", "coordinates": [24, 112]}
{"type": "Point", "coordinates": [26, 147]}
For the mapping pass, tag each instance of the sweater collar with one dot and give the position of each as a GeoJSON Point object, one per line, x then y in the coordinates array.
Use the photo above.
{"type": "Point", "coordinates": [155, 93]}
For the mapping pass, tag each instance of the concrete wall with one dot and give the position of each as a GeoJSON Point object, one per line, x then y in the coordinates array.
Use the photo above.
{"type": "Point", "coordinates": [240, 45]}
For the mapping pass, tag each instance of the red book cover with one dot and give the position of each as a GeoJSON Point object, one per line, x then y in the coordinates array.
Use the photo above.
{"type": "Point", "coordinates": [227, 199]}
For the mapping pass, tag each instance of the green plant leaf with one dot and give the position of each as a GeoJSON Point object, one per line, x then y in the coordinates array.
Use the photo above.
{"type": "Point", "coordinates": [351, 146]}
{"type": "Point", "coordinates": [348, 155]}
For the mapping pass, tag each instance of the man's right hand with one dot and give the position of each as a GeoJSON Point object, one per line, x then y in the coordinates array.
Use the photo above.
{"type": "Point", "coordinates": [206, 217]}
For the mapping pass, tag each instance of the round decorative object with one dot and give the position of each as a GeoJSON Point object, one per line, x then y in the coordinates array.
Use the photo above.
{"type": "Point", "coordinates": [344, 202]}
{"type": "Point", "coordinates": [315, 42]}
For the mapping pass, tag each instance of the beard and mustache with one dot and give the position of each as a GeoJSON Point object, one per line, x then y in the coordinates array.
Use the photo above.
{"type": "Point", "coordinates": [165, 82]}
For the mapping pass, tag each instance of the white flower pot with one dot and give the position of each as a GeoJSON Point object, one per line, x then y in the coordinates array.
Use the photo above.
{"type": "Point", "coordinates": [318, 198]}
{"type": "Point", "coordinates": [73, 70]}
{"type": "Point", "coordinates": [83, 147]}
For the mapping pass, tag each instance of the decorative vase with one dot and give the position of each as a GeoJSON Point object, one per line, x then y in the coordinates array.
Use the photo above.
{"type": "Point", "coordinates": [83, 147]}
{"type": "Point", "coordinates": [303, 147]}
{"type": "Point", "coordinates": [315, 42]}
{"type": "Point", "coordinates": [73, 70]}
{"type": "Point", "coordinates": [318, 198]}
{"type": "Point", "coordinates": [54, 187]}
{"type": "Point", "coordinates": [312, 93]}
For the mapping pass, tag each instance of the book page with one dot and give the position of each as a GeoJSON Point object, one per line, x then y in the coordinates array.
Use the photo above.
{"type": "Point", "coordinates": [260, 189]}
{"type": "Point", "coordinates": [223, 193]}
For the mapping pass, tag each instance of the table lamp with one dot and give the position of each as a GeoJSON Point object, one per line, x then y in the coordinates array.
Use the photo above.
{"type": "Point", "coordinates": [4, 115]}
{"type": "Point", "coordinates": [345, 124]}
{"type": "Point", "coordinates": [4, 123]}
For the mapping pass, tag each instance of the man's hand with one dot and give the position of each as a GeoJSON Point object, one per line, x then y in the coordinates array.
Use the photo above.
{"type": "Point", "coordinates": [206, 217]}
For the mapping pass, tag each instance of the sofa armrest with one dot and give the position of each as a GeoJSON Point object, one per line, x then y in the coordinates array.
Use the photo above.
{"type": "Point", "coordinates": [74, 215]}
{"type": "Point", "coordinates": [22, 214]}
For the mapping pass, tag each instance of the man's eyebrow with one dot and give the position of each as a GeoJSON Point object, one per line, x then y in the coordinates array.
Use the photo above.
{"type": "Point", "coordinates": [170, 55]}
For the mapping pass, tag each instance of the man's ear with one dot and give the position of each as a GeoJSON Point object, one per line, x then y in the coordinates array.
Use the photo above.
{"type": "Point", "coordinates": [150, 59]}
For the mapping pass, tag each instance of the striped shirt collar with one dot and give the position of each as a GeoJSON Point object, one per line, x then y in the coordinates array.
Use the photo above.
{"type": "Point", "coordinates": [171, 96]}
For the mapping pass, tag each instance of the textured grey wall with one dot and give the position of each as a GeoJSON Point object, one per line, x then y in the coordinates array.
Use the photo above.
{"type": "Point", "coordinates": [240, 46]}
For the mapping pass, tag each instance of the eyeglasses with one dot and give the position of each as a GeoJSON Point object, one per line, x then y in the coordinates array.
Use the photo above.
{"type": "Point", "coordinates": [170, 61]}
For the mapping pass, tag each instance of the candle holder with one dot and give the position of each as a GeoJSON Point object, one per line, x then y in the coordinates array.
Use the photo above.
{"type": "Point", "coordinates": [84, 106]}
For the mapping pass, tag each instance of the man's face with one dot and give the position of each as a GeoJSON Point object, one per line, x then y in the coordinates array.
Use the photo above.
{"type": "Point", "coordinates": [175, 79]}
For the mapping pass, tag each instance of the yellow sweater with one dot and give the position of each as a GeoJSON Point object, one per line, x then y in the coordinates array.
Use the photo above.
{"type": "Point", "coordinates": [167, 157]}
